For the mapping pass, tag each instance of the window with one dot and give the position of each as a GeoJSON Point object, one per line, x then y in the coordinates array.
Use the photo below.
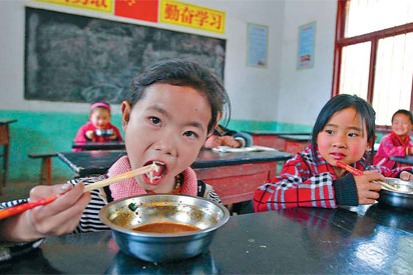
{"type": "Point", "coordinates": [374, 54]}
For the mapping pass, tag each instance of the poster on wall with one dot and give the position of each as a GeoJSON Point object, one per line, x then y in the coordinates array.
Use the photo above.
{"type": "Point", "coordinates": [306, 41]}
{"type": "Point", "coordinates": [257, 45]}
{"type": "Point", "coordinates": [75, 58]}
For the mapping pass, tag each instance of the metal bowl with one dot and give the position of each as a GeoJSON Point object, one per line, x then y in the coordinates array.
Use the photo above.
{"type": "Point", "coordinates": [402, 198]}
{"type": "Point", "coordinates": [125, 214]}
{"type": "Point", "coordinates": [104, 133]}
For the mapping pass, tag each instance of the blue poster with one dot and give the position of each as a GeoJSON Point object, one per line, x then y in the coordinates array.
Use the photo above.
{"type": "Point", "coordinates": [306, 42]}
{"type": "Point", "coordinates": [257, 45]}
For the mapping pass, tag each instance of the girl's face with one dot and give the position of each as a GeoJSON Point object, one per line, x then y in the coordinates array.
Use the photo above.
{"type": "Point", "coordinates": [168, 125]}
{"type": "Point", "coordinates": [100, 117]}
{"type": "Point", "coordinates": [401, 125]}
{"type": "Point", "coordinates": [343, 138]}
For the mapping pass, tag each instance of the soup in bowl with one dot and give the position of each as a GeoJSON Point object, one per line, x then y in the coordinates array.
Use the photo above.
{"type": "Point", "coordinates": [164, 227]}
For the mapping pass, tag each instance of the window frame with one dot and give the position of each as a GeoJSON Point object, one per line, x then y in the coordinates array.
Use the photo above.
{"type": "Point", "coordinates": [373, 38]}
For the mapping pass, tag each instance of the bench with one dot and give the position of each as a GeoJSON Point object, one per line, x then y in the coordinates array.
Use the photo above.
{"type": "Point", "coordinates": [46, 166]}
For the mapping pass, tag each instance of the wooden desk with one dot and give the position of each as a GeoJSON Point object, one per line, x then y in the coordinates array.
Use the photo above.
{"type": "Point", "coordinates": [295, 143]}
{"type": "Point", "coordinates": [112, 145]}
{"type": "Point", "coordinates": [361, 240]}
{"type": "Point", "coordinates": [403, 161]}
{"type": "Point", "coordinates": [273, 139]}
{"type": "Point", "coordinates": [234, 176]}
{"type": "Point", "coordinates": [5, 142]}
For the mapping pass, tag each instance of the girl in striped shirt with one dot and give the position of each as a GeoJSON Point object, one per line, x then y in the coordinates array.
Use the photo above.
{"type": "Point", "coordinates": [175, 105]}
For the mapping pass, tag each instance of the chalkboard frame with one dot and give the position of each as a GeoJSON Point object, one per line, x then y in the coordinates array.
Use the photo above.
{"type": "Point", "coordinates": [76, 58]}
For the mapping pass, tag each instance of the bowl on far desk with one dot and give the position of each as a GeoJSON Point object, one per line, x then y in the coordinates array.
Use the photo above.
{"type": "Point", "coordinates": [104, 133]}
{"type": "Point", "coordinates": [125, 216]}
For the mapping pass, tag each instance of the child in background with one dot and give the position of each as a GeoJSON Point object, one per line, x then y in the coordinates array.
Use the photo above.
{"type": "Point", "coordinates": [397, 143]}
{"type": "Point", "coordinates": [344, 131]}
{"type": "Point", "coordinates": [174, 106]}
{"type": "Point", "coordinates": [225, 137]}
{"type": "Point", "coordinates": [98, 128]}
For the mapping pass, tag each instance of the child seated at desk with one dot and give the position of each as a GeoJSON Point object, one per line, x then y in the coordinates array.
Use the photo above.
{"type": "Point", "coordinates": [223, 136]}
{"type": "Point", "coordinates": [173, 108]}
{"type": "Point", "coordinates": [397, 143]}
{"type": "Point", "coordinates": [344, 131]}
{"type": "Point", "coordinates": [98, 128]}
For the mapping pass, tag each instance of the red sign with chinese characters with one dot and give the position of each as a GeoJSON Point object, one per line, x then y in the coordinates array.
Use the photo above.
{"type": "Point", "coordinates": [146, 10]}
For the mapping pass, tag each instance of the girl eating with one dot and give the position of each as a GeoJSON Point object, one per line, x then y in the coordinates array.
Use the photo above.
{"type": "Point", "coordinates": [344, 131]}
{"type": "Point", "coordinates": [175, 105]}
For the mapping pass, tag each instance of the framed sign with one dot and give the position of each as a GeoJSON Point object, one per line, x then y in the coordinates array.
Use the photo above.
{"type": "Point", "coordinates": [257, 45]}
{"type": "Point", "coordinates": [306, 38]}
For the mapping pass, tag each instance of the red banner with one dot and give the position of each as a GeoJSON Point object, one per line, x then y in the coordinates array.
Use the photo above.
{"type": "Point", "coordinates": [146, 10]}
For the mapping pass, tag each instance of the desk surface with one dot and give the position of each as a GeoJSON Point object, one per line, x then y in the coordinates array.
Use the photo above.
{"type": "Point", "coordinates": [270, 133]}
{"type": "Point", "coordinates": [109, 145]}
{"type": "Point", "coordinates": [404, 160]}
{"type": "Point", "coordinates": [7, 121]}
{"type": "Point", "coordinates": [98, 162]}
{"type": "Point", "coordinates": [362, 240]}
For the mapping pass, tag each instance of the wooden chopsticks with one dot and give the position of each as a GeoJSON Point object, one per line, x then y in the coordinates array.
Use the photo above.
{"type": "Point", "coordinates": [357, 172]}
{"type": "Point", "coordinates": [11, 211]}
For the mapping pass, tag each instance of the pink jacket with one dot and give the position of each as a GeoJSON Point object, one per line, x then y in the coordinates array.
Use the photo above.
{"type": "Point", "coordinates": [391, 146]}
{"type": "Point", "coordinates": [81, 137]}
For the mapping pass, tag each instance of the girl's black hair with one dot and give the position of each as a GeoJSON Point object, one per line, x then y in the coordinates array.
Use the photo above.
{"type": "Point", "coordinates": [180, 72]}
{"type": "Point", "coordinates": [404, 112]}
{"type": "Point", "coordinates": [340, 102]}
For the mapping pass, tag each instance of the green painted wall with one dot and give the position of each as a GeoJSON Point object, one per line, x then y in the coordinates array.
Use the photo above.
{"type": "Point", "coordinates": [41, 132]}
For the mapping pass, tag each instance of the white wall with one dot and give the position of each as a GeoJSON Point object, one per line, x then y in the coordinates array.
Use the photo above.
{"type": "Point", "coordinates": [302, 93]}
{"type": "Point", "coordinates": [256, 94]}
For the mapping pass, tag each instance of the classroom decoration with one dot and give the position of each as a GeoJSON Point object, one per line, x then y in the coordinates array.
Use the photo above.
{"type": "Point", "coordinates": [96, 5]}
{"type": "Point", "coordinates": [306, 37]}
{"type": "Point", "coordinates": [146, 10]}
{"type": "Point", "coordinates": [257, 45]}
{"type": "Point", "coordinates": [76, 58]}
{"type": "Point", "coordinates": [188, 15]}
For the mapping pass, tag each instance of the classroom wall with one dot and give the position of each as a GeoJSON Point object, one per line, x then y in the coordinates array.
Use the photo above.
{"type": "Point", "coordinates": [274, 98]}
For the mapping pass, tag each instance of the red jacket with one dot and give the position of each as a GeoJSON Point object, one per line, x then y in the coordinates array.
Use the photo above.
{"type": "Point", "coordinates": [81, 137]}
{"type": "Point", "coordinates": [391, 146]}
{"type": "Point", "coordinates": [304, 182]}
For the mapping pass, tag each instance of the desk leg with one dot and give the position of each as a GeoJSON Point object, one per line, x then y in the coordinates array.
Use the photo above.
{"type": "Point", "coordinates": [5, 163]}
{"type": "Point", "coordinates": [46, 173]}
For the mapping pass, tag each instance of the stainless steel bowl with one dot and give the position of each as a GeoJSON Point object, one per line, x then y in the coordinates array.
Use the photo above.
{"type": "Point", "coordinates": [402, 198]}
{"type": "Point", "coordinates": [104, 133]}
{"type": "Point", "coordinates": [123, 215]}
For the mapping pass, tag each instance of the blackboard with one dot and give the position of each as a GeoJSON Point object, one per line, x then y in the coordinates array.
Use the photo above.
{"type": "Point", "coordinates": [76, 58]}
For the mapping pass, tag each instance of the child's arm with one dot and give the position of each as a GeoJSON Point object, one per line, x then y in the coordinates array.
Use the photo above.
{"type": "Point", "coordinates": [296, 187]}
{"type": "Point", "coordinates": [212, 142]}
{"type": "Point", "coordinates": [83, 134]}
{"type": "Point", "coordinates": [56, 218]}
{"type": "Point", "coordinates": [116, 133]}
{"type": "Point", "coordinates": [367, 190]}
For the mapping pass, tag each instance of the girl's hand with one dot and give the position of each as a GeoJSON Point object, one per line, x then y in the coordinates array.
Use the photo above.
{"type": "Point", "coordinates": [368, 191]}
{"type": "Point", "coordinates": [113, 137]}
{"type": "Point", "coordinates": [57, 218]}
{"type": "Point", "coordinates": [90, 134]}
{"type": "Point", "coordinates": [404, 175]}
{"type": "Point", "coordinates": [230, 141]}
{"type": "Point", "coordinates": [212, 142]}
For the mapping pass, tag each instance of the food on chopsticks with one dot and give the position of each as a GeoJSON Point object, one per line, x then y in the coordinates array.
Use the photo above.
{"type": "Point", "coordinates": [11, 211]}
{"type": "Point", "coordinates": [386, 185]}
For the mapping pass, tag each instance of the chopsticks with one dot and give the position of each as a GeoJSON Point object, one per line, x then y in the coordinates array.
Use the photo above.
{"type": "Point", "coordinates": [357, 172]}
{"type": "Point", "coordinates": [11, 211]}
